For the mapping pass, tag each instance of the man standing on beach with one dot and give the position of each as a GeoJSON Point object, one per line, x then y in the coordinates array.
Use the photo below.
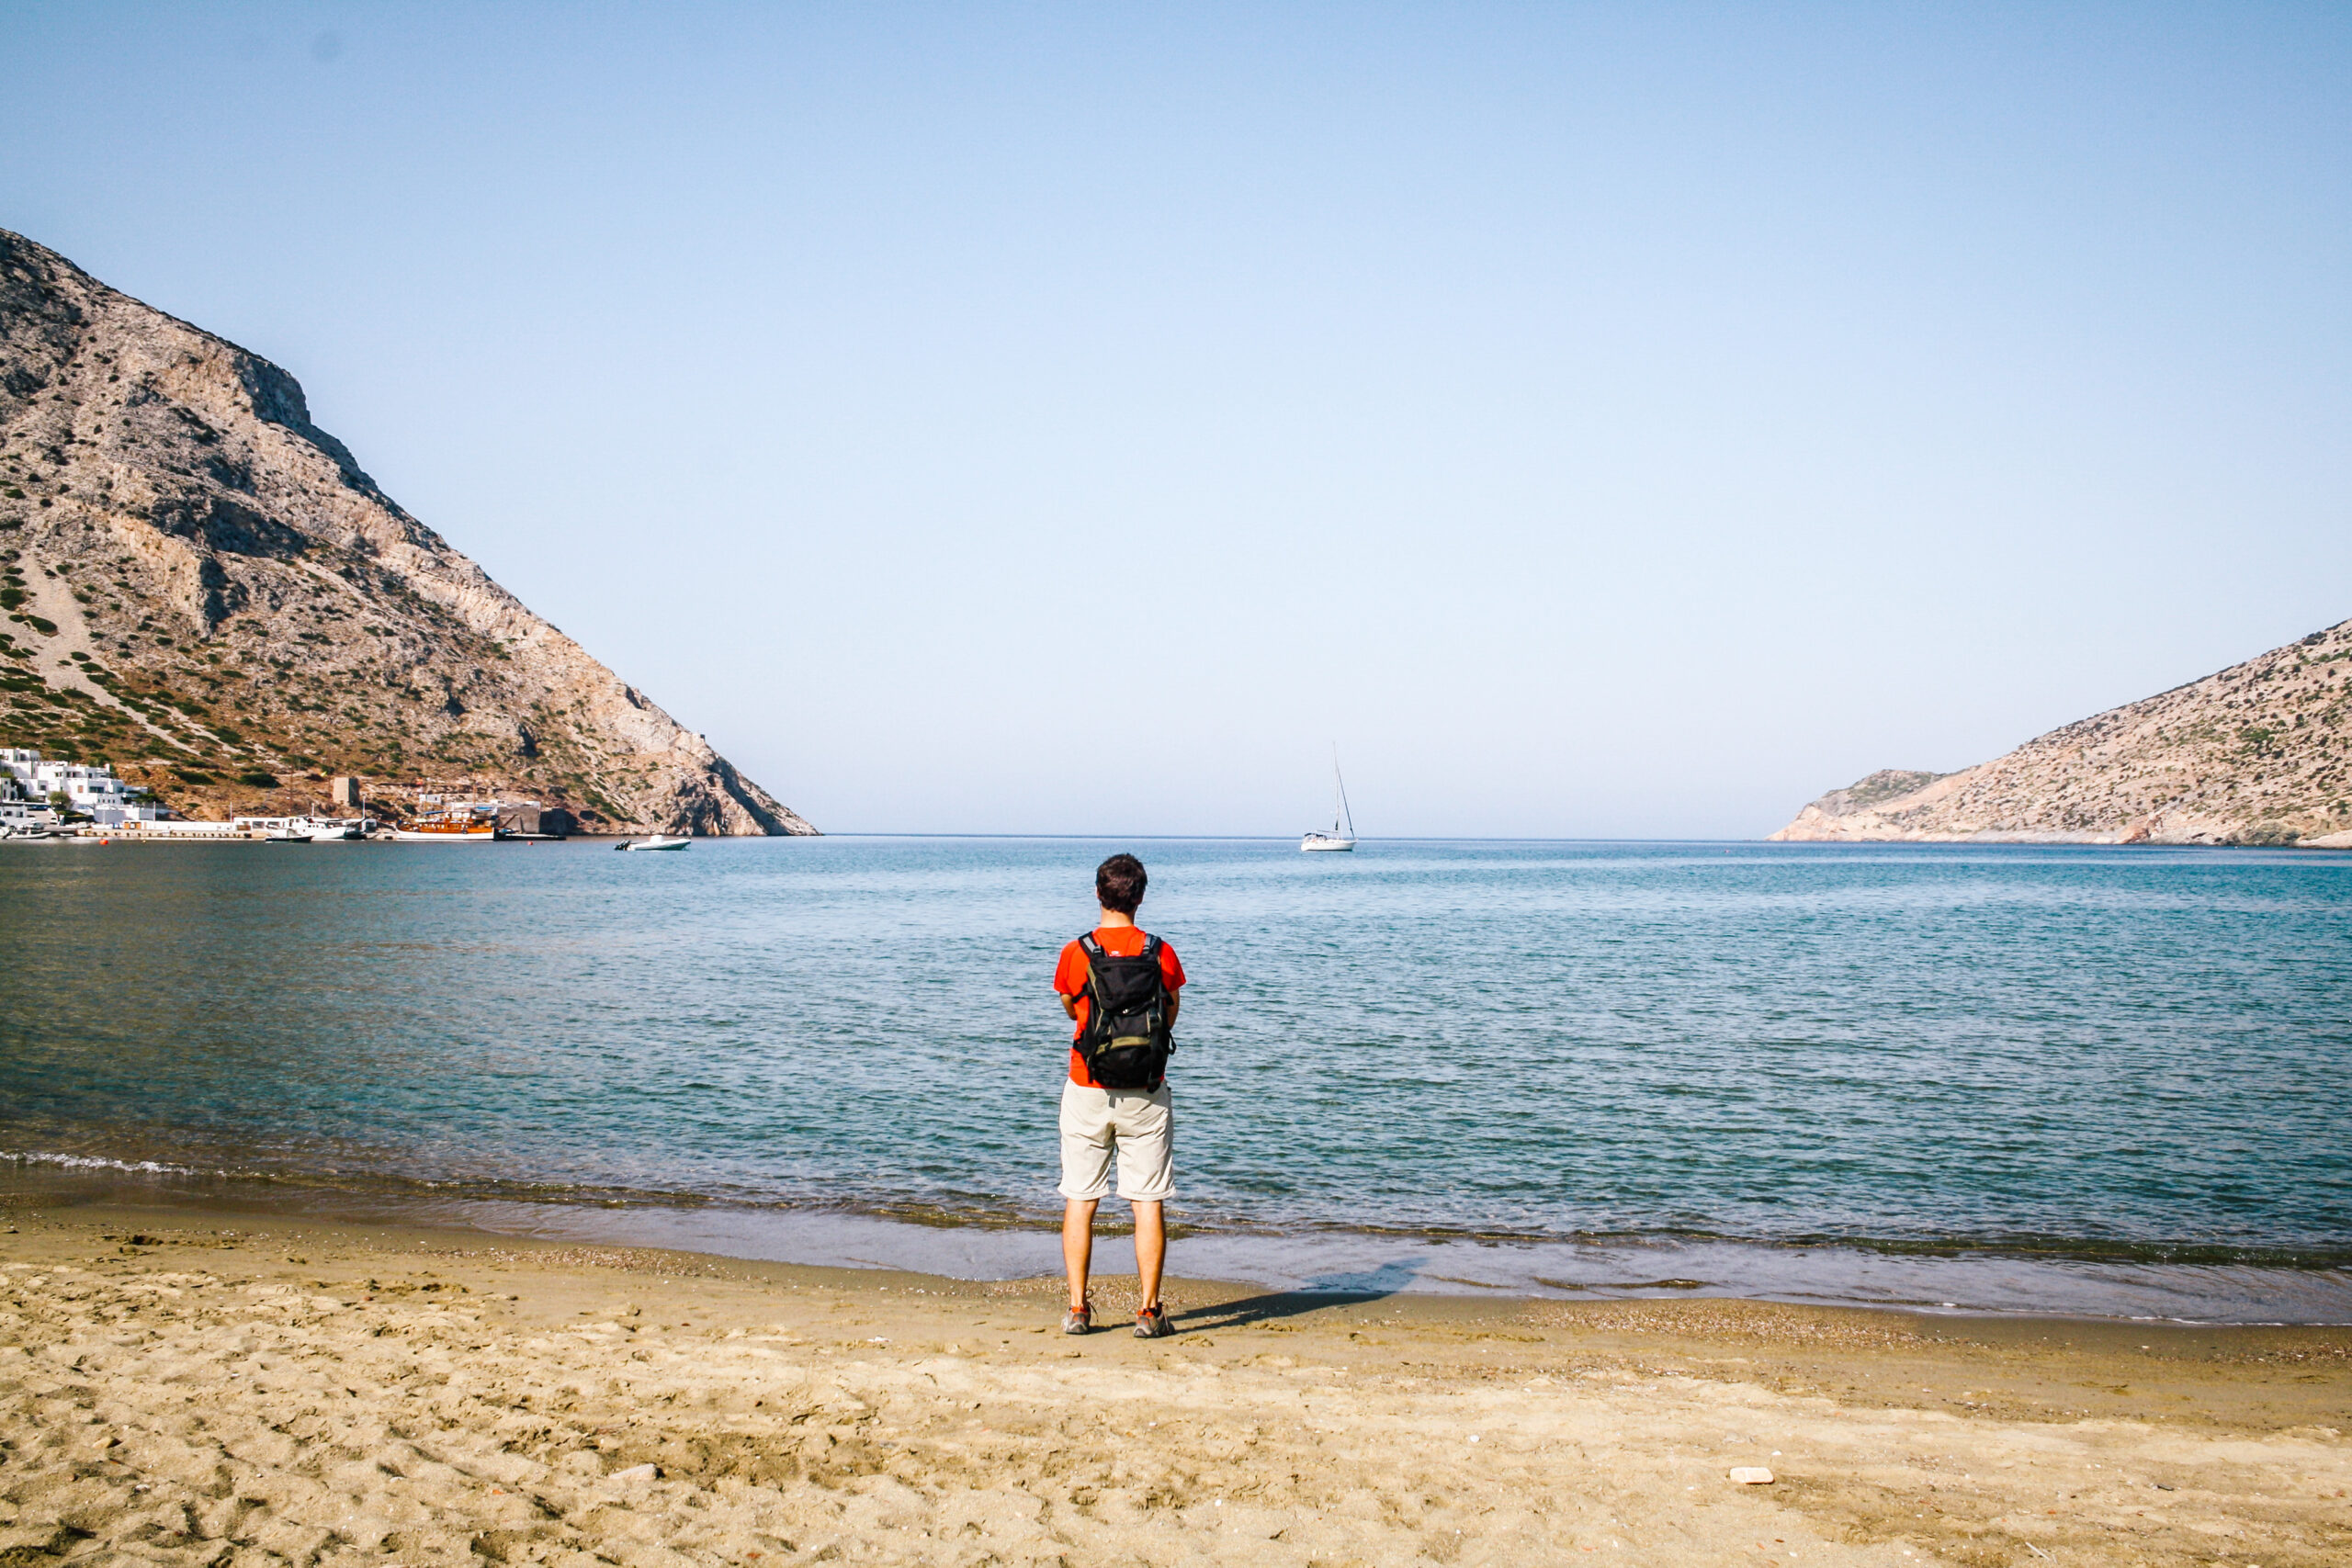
{"type": "Point", "coordinates": [1118, 983]}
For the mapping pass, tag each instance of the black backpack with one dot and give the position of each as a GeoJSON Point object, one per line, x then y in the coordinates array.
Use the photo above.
{"type": "Point", "coordinates": [1127, 1042]}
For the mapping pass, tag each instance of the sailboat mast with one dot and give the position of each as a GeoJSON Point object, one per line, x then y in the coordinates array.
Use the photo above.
{"type": "Point", "coordinates": [1339, 837]}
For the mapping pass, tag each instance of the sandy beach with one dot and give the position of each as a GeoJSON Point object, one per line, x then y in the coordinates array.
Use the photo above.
{"type": "Point", "coordinates": [218, 1388]}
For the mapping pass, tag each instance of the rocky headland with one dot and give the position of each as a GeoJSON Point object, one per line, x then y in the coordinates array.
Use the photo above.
{"type": "Point", "coordinates": [204, 588]}
{"type": "Point", "coordinates": [2253, 754]}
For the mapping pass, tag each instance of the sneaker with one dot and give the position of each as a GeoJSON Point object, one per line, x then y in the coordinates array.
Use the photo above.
{"type": "Point", "coordinates": [1079, 1320]}
{"type": "Point", "coordinates": [1152, 1323]}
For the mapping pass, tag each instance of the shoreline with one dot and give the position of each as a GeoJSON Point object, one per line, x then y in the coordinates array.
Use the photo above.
{"type": "Point", "coordinates": [198, 1385]}
{"type": "Point", "coordinates": [1959, 1279]}
{"type": "Point", "coordinates": [2327, 843]}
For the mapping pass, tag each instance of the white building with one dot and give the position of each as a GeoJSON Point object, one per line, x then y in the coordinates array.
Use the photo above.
{"type": "Point", "coordinates": [511, 816]}
{"type": "Point", "coordinates": [23, 817]}
{"type": "Point", "coordinates": [93, 790]}
{"type": "Point", "coordinates": [173, 828]}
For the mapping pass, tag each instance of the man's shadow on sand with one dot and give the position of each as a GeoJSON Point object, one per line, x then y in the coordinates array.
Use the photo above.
{"type": "Point", "coordinates": [1324, 1291]}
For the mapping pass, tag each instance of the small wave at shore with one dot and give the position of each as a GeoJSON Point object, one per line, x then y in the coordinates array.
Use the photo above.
{"type": "Point", "coordinates": [2034, 1277]}
{"type": "Point", "coordinates": [376, 1188]}
{"type": "Point", "coordinates": [93, 1162]}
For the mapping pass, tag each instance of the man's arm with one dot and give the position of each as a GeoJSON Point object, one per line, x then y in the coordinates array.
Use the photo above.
{"type": "Point", "coordinates": [1069, 1004]}
{"type": "Point", "coordinates": [1174, 1002]}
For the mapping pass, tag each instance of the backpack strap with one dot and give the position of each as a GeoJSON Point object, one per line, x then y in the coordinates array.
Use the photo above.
{"type": "Point", "coordinates": [1152, 946]}
{"type": "Point", "coordinates": [1093, 990]}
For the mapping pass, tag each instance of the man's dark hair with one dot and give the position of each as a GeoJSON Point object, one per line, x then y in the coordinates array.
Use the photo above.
{"type": "Point", "coordinates": [1119, 883]}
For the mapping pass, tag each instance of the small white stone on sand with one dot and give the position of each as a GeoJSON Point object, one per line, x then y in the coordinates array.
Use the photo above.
{"type": "Point", "coordinates": [1751, 1475]}
{"type": "Point", "coordinates": [635, 1472]}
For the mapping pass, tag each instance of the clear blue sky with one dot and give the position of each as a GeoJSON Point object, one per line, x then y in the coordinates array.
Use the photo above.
{"type": "Point", "coordinates": [1599, 420]}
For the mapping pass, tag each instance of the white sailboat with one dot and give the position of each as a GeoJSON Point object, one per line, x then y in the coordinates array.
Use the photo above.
{"type": "Point", "coordinates": [1335, 838]}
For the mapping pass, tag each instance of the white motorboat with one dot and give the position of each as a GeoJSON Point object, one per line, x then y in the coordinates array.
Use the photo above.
{"type": "Point", "coordinates": [1335, 838]}
{"type": "Point", "coordinates": [340, 830]}
{"type": "Point", "coordinates": [659, 841]}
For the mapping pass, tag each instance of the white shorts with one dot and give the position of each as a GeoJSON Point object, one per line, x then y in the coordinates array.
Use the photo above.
{"type": "Point", "coordinates": [1139, 1127]}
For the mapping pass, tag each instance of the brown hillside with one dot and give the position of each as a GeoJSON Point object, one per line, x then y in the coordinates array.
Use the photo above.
{"type": "Point", "coordinates": [2260, 753]}
{"type": "Point", "coordinates": [204, 590]}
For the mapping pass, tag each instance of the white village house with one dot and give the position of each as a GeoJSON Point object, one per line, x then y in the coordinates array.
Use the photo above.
{"type": "Point", "coordinates": [33, 779]}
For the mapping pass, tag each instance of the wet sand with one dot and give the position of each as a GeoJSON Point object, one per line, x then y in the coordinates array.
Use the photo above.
{"type": "Point", "coordinates": [185, 1387]}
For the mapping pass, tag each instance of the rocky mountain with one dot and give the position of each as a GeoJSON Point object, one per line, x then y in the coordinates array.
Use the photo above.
{"type": "Point", "coordinates": [204, 588]}
{"type": "Point", "coordinates": [2260, 753]}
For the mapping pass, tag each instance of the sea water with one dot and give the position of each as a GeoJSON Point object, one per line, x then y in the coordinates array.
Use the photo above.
{"type": "Point", "coordinates": [2015, 1077]}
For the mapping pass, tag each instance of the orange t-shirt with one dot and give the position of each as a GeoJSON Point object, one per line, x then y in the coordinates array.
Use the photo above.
{"type": "Point", "coordinates": [1070, 980]}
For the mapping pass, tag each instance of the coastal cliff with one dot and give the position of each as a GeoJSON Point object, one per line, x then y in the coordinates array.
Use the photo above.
{"type": "Point", "coordinates": [2259, 753]}
{"type": "Point", "coordinates": [204, 588]}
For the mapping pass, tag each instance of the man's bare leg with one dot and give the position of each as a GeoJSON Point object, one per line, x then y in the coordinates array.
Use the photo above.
{"type": "Point", "coordinates": [1078, 1246]}
{"type": "Point", "coordinates": [1151, 1250]}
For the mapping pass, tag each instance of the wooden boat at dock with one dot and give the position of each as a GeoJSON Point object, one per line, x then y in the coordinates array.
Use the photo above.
{"type": "Point", "coordinates": [449, 828]}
